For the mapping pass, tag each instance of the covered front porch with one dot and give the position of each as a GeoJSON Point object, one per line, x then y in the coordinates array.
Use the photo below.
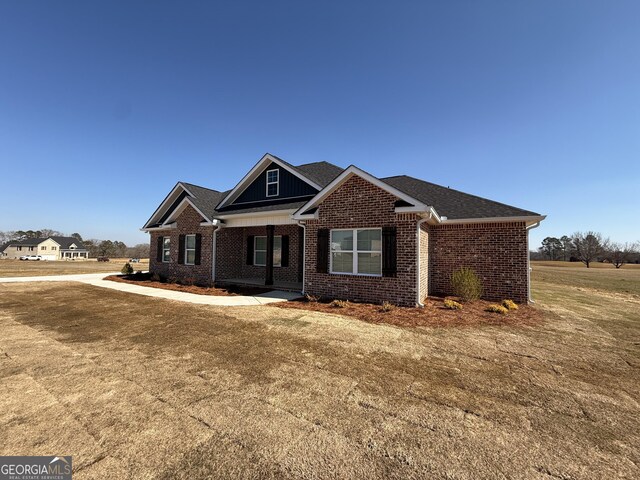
{"type": "Point", "coordinates": [74, 254]}
{"type": "Point", "coordinates": [266, 255]}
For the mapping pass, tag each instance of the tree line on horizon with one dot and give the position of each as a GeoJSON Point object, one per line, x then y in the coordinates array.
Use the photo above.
{"type": "Point", "coordinates": [587, 247]}
{"type": "Point", "coordinates": [95, 247]}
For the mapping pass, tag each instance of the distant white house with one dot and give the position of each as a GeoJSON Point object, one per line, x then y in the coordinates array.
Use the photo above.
{"type": "Point", "coordinates": [50, 248]}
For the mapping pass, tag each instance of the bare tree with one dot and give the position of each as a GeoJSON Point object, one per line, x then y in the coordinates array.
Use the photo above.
{"type": "Point", "coordinates": [47, 232]}
{"type": "Point", "coordinates": [589, 246]}
{"type": "Point", "coordinates": [620, 253]}
{"type": "Point", "coordinates": [140, 250]}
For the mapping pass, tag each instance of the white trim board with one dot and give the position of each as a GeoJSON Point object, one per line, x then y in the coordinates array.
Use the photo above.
{"type": "Point", "coordinates": [168, 200]}
{"type": "Point", "coordinates": [180, 208]}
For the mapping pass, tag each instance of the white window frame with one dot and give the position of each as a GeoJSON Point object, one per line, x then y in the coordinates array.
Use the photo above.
{"type": "Point", "coordinates": [43, 247]}
{"type": "Point", "coordinates": [255, 250]}
{"type": "Point", "coordinates": [354, 251]}
{"type": "Point", "coordinates": [276, 182]}
{"type": "Point", "coordinates": [187, 249]}
{"type": "Point", "coordinates": [166, 250]}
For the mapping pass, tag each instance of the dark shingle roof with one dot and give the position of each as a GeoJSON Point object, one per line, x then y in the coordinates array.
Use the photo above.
{"type": "Point", "coordinates": [321, 173]}
{"type": "Point", "coordinates": [452, 203]}
{"type": "Point", "coordinates": [231, 209]}
{"type": "Point", "coordinates": [66, 242]}
{"type": "Point", "coordinates": [28, 242]}
{"type": "Point", "coordinates": [205, 198]}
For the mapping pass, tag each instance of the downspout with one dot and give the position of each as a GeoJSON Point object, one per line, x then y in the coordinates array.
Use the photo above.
{"type": "Point", "coordinates": [531, 227]}
{"type": "Point", "coordinates": [418, 229]}
{"type": "Point", "coordinates": [304, 252]}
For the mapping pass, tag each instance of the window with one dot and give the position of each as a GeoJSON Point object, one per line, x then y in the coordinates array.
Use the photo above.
{"type": "Point", "coordinates": [30, 248]}
{"type": "Point", "coordinates": [43, 248]}
{"type": "Point", "coordinates": [19, 249]}
{"type": "Point", "coordinates": [356, 251]}
{"type": "Point", "coordinates": [260, 251]}
{"type": "Point", "coordinates": [166, 249]}
{"type": "Point", "coordinates": [54, 248]}
{"type": "Point", "coordinates": [273, 183]}
{"type": "Point", "coordinates": [189, 249]}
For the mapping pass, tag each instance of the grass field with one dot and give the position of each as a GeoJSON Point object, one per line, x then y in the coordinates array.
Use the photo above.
{"type": "Point", "coordinates": [18, 268]}
{"type": "Point", "coordinates": [601, 276]}
{"type": "Point", "coordinates": [138, 387]}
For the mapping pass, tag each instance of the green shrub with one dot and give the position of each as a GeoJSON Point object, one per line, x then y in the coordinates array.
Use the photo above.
{"type": "Point", "coordinates": [338, 303]}
{"type": "Point", "coordinates": [387, 306]}
{"type": "Point", "coordinates": [451, 305]}
{"type": "Point", "coordinates": [497, 309]}
{"type": "Point", "coordinates": [466, 284]}
{"type": "Point", "coordinates": [127, 269]}
{"type": "Point", "coordinates": [509, 304]}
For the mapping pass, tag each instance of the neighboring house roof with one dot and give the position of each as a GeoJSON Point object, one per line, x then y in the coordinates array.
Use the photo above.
{"type": "Point", "coordinates": [27, 242]}
{"type": "Point", "coordinates": [64, 242]}
{"type": "Point", "coordinates": [451, 203]}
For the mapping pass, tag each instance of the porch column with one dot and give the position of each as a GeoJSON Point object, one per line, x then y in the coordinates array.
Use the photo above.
{"type": "Point", "coordinates": [269, 273]}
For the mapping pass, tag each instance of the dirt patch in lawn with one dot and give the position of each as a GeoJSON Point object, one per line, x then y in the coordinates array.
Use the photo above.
{"type": "Point", "coordinates": [233, 290]}
{"type": "Point", "coordinates": [434, 314]}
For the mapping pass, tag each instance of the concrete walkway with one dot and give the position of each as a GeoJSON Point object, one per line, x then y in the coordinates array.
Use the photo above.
{"type": "Point", "coordinates": [97, 280]}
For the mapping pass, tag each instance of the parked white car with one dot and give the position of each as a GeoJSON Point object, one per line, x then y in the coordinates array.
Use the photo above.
{"type": "Point", "coordinates": [31, 257]}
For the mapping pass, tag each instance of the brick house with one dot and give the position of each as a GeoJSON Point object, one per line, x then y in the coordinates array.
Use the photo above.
{"type": "Point", "coordinates": [340, 233]}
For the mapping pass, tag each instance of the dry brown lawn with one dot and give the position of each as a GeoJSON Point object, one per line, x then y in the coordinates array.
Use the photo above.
{"type": "Point", "coordinates": [18, 268]}
{"type": "Point", "coordinates": [136, 387]}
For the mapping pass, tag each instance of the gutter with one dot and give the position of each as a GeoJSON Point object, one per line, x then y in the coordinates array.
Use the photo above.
{"type": "Point", "coordinates": [530, 227]}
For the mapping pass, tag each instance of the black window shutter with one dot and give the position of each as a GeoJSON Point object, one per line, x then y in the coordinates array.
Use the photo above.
{"type": "Point", "coordinates": [159, 250]}
{"type": "Point", "coordinates": [284, 259]}
{"type": "Point", "coordinates": [389, 248]}
{"type": "Point", "coordinates": [322, 257]}
{"type": "Point", "coordinates": [198, 249]}
{"type": "Point", "coordinates": [250, 249]}
{"type": "Point", "coordinates": [181, 249]}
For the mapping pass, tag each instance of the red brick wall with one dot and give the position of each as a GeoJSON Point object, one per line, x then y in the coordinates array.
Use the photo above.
{"type": "Point", "coordinates": [231, 247]}
{"type": "Point", "coordinates": [360, 204]}
{"type": "Point", "coordinates": [496, 251]}
{"type": "Point", "coordinates": [424, 260]}
{"type": "Point", "coordinates": [187, 223]}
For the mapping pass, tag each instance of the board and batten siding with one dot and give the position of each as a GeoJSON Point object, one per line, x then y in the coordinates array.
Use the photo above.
{"type": "Point", "coordinates": [290, 187]}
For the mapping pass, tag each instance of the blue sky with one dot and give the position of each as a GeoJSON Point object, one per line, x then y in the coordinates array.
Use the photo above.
{"type": "Point", "coordinates": [104, 106]}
